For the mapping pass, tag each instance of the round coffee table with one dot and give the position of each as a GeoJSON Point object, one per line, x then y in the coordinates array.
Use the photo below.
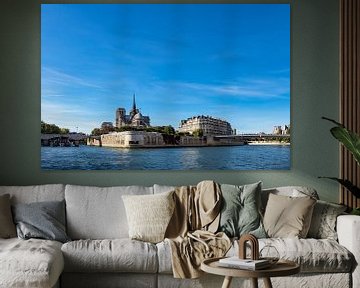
{"type": "Point", "coordinates": [281, 268]}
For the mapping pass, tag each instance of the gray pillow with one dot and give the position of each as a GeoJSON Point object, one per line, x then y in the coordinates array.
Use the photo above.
{"type": "Point", "coordinates": [44, 220]}
{"type": "Point", "coordinates": [7, 227]}
{"type": "Point", "coordinates": [323, 222]}
{"type": "Point", "coordinates": [240, 213]}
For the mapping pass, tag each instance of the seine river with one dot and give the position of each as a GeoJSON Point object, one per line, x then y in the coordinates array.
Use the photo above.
{"type": "Point", "coordinates": [247, 157]}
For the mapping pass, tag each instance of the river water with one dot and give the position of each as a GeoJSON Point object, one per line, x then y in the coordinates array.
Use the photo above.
{"type": "Point", "coordinates": [247, 157]}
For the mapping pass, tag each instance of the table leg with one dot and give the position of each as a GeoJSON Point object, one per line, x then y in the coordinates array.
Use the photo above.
{"type": "Point", "coordinates": [227, 282]}
{"type": "Point", "coordinates": [254, 282]}
{"type": "Point", "coordinates": [267, 283]}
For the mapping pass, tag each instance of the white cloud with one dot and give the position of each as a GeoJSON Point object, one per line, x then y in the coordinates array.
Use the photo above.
{"type": "Point", "coordinates": [52, 77]}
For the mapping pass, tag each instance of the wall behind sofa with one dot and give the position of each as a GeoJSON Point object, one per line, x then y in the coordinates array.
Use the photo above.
{"type": "Point", "coordinates": [314, 93]}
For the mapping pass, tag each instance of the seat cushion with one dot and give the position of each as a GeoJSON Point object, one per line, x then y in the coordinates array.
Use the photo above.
{"type": "Point", "coordinates": [117, 255]}
{"type": "Point", "coordinates": [30, 263]}
{"type": "Point", "coordinates": [313, 255]}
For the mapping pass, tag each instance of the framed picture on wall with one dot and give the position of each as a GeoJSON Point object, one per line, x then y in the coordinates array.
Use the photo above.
{"type": "Point", "coordinates": [165, 87]}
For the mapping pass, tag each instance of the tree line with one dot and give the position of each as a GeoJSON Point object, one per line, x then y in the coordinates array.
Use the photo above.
{"type": "Point", "coordinates": [52, 129]}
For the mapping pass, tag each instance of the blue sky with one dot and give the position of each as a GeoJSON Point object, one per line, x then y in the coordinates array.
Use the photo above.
{"type": "Point", "coordinates": [230, 61]}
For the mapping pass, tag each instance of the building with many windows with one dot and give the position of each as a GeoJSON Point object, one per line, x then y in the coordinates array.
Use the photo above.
{"type": "Point", "coordinates": [207, 124]}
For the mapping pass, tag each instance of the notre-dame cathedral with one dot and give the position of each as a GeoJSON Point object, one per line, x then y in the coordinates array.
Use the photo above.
{"type": "Point", "coordinates": [133, 119]}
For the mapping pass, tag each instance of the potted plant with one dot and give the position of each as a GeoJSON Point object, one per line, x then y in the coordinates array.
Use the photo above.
{"type": "Point", "coordinates": [351, 141]}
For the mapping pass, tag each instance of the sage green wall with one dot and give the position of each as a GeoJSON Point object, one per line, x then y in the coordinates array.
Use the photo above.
{"type": "Point", "coordinates": [314, 93]}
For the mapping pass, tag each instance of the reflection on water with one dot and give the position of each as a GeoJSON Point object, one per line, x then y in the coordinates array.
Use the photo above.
{"type": "Point", "coordinates": [248, 157]}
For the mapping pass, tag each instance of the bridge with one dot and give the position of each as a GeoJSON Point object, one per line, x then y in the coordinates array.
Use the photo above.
{"type": "Point", "coordinates": [252, 137]}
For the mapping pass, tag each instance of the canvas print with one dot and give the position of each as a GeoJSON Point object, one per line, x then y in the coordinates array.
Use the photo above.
{"type": "Point", "coordinates": [165, 87]}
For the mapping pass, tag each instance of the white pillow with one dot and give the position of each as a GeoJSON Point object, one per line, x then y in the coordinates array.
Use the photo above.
{"type": "Point", "coordinates": [149, 215]}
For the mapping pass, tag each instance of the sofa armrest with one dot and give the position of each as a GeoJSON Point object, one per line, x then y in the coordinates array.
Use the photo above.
{"type": "Point", "coordinates": [348, 230]}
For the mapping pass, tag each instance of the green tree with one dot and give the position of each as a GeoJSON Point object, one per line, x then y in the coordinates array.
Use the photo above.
{"type": "Point", "coordinates": [169, 130]}
{"type": "Point", "coordinates": [96, 132]}
{"type": "Point", "coordinates": [52, 129]}
{"type": "Point", "coordinates": [198, 133]}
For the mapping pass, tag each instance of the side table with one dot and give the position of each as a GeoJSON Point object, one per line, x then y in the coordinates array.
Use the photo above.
{"type": "Point", "coordinates": [281, 268]}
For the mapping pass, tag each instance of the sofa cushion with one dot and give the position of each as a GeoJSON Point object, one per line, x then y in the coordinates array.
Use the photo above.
{"type": "Point", "coordinates": [117, 255]}
{"type": "Point", "coordinates": [43, 220]}
{"type": "Point", "coordinates": [98, 213]}
{"type": "Point", "coordinates": [287, 216]}
{"type": "Point", "coordinates": [240, 210]}
{"type": "Point", "coordinates": [291, 191]}
{"type": "Point", "coordinates": [36, 193]}
{"type": "Point", "coordinates": [30, 263]}
{"type": "Point", "coordinates": [313, 255]}
{"type": "Point", "coordinates": [149, 215]}
{"type": "Point", "coordinates": [323, 222]}
{"type": "Point", "coordinates": [7, 226]}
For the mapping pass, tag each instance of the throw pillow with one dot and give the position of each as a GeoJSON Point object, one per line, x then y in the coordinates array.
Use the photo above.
{"type": "Point", "coordinates": [7, 227]}
{"type": "Point", "coordinates": [288, 217]}
{"type": "Point", "coordinates": [44, 220]}
{"type": "Point", "coordinates": [149, 215]}
{"type": "Point", "coordinates": [240, 213]}
{"type": "Point", "coordinates": [323, 222]}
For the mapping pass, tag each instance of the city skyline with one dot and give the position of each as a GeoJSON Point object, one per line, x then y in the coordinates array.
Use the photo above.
{"type": "Point", "coordinates": [227, 61]}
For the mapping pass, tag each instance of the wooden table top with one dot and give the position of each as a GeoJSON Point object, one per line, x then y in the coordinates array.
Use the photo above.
{"type": "Point", "coordinates": [281, 268]}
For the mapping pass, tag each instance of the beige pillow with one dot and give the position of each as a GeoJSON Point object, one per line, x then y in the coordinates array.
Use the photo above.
{"type": "Point", "coordinates": [288, 217]}
{"type": "Point", "coordinates": [149, 215]}
{"type": "Point", "coordinates": [7, 226]}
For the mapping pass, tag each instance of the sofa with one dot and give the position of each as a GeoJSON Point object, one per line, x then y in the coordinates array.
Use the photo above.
{"type": "Point", "coordinates": [101, 254]}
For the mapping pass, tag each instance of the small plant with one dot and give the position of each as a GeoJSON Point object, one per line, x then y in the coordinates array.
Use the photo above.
{"type": "Point", "coordinates": [351, 141]}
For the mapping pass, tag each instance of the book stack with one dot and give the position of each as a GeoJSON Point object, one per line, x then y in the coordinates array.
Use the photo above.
{"type": "Point", "coordinates": [248, 264]}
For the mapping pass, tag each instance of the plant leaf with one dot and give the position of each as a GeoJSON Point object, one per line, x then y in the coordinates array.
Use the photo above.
{"type": "Point", "coordinates": [349, 139]}
{"type": "Point", "coordinates": [347, 184]}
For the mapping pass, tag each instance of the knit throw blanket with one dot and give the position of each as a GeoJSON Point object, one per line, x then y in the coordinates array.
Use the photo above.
{"type": "Point", "coordinates": [191, 232]}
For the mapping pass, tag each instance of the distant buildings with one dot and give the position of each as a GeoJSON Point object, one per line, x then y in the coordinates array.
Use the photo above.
{"type": "Point", "coordinates": [133, 119]}
{"type": "Point", "coordinates": [107, 125]}
{"type": "Point", "coordinates": [207, 124]}
{"type": "Point", "coordinates": [278, 130]}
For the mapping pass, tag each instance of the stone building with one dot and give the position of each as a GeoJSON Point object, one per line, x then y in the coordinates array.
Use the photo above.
{"type": "Point", "coordinates": [278, 130]}
{"type": "Point", "coordinates": [207, 124]}
{"type": "Point", "coordinates": [133, 119]}
{"type": "Point", "coordinates": [127, 139]}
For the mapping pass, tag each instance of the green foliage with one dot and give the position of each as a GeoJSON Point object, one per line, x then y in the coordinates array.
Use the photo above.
{"type": "Point", "coordinates": [351, 141]}
{"type": "Point", "coordinates": [52, 129]}
{"type": "Point", "coordinates": [348, 138]}
{"type": "Point", "coordinates": [96, 132]}
{"type": "Point", "coordinates": [198, 133]}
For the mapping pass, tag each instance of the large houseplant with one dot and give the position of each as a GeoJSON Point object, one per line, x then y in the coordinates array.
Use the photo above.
{"type": "Point", "coordinates": [351, 141]}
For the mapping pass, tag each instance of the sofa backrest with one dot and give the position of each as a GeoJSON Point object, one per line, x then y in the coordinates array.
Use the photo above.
{"type": "Point", "coordinates": [35, 193]}
{"type": "Point", "coordinates": [98, 212]}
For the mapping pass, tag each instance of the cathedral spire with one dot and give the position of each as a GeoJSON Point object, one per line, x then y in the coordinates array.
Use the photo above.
{"type": "Point", "coordinates": [134, 104]}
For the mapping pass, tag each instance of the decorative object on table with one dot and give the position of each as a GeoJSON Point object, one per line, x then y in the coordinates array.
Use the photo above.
{"type": "Point", "coordinates": [247, 264]}
{"type": "Point", "coordinates": [241, 261]}
{"type": "Point", "coordinates": [269, 253]}
{"type": "Point", "coordinates": [254, 246]}
{"type": "Point", "coordinates": [351, 141]}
